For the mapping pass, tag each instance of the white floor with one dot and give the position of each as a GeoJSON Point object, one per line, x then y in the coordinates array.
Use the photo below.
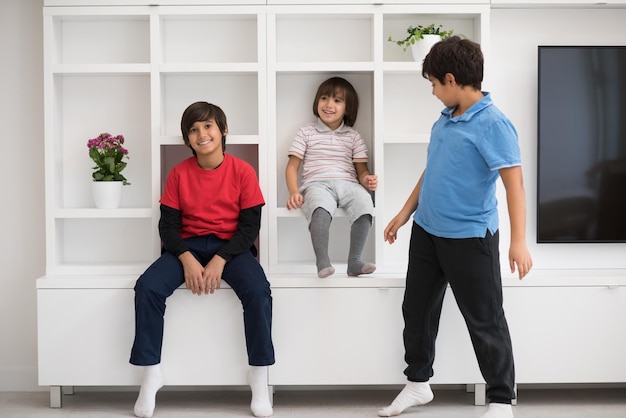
{"type": "Point", "coordinates": [448, 403]}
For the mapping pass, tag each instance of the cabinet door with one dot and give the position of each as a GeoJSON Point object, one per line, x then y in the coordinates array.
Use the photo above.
{"type": "Point", "coordinates": [567, 334]}
{"type": "Point", "coordinates": [337, 336]}
{"type": "Point", "coordinates": [85, 337]}
{"type": "Point", "coordinates": [354, 336]}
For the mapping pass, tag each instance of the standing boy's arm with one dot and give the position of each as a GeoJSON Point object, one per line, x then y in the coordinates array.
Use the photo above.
{"type": "Point", "coordinates": [367, 180]}
{"type": "Point", "coordinates": [391, 231]}
{"type": "Point", "coordinates": [291, 176]}
{"type": "Point", "coordinates": [516, 202]}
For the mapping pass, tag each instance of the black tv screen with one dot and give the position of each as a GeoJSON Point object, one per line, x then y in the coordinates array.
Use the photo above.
{"type": "Point", "coordinates": [581, 169]}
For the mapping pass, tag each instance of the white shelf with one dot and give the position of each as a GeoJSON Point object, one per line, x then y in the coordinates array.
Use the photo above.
{"type": "Point", "coordinates": [327, 67]}
{"type": "Point", "coordinates": [92, 213]}
{"type": "Point", "coordinates": [231, 139]}
{"type": "Point", "coordinates": [407, 139]}
{"type": "Point", "coordinates": [100, 68]}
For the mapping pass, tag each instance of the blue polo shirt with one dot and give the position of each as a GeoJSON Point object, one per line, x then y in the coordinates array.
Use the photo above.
{"type": "Point", "coordinates": [458, 193]}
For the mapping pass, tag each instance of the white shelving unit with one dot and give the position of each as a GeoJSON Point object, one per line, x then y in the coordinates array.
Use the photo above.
{"type": "Point", "coordinates": [131, 67]}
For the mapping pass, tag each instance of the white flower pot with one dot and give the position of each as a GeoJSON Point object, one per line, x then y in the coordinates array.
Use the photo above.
{"type": "Point", "coordinates": [107, 194]}
{"type": "Point", "coordinates": [422, 47]}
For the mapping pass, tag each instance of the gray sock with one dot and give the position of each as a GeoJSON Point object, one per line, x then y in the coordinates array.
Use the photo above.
{"type": "Point", "coordinates": [358, 236]}
{"type": "Point", "coordinates": [320, 233]}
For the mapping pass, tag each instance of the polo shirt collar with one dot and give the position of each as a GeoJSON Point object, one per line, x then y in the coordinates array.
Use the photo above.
{"type": "Point", "coordinates": [473, 110]}
{"type": "Point", "coordinates": [322, 127]}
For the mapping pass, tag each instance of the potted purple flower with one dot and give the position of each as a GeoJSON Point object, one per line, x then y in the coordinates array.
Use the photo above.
{"type": "Point", "coordinates": [109, 154]}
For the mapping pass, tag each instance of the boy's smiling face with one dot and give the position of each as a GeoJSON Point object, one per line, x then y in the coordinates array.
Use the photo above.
{"type": "Point", "coordinates": [205, 138]}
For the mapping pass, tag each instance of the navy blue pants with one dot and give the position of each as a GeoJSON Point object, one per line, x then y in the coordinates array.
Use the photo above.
{"type": "Point", "coordinates": [472, 268]}
{"type": "Point", "coordinates": [243, 273]}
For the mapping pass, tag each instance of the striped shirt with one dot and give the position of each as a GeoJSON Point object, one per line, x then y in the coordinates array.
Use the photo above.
{"type": "Point", "coordinates": [327, 154]}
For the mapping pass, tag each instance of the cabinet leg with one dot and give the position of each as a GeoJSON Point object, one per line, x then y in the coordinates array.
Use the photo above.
{"type": "Point", "coordinates": [480, 394]}
{"type": "Point", "coordinates": [56, 397]}
{"type": "Point", "coordinates": [469, 388]}
{"type": "Point", "coordinates": [270, 390]}
{"type": "Point", "coordinates": [67, 390]}
{"type": "Point", "coordinates": [514, 400]}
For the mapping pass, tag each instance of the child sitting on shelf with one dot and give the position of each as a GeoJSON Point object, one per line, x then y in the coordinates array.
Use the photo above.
{"type": "Point", "coordinates": [210, 219]}
{"type": "Point", "coordinates": [334, 174]}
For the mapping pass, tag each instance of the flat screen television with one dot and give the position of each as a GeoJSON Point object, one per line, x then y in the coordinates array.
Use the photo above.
{"type": "Point", "coordinates": [581, 168]}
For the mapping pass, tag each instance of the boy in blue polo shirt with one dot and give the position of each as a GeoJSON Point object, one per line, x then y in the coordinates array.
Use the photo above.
{"type": "Point", "coordinates": [454, 238]}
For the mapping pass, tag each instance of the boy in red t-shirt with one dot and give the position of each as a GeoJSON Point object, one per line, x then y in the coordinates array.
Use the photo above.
{"type": "Point", "coordinates": [210, 219]}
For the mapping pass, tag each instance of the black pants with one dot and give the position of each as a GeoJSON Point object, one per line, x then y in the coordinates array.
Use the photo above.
{"type": "Point", "coordinates": [244, 275]}
{"type": "Point", "coordinates": [472, 268]}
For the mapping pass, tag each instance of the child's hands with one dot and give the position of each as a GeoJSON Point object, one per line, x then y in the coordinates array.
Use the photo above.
{"type": "Point", "coordinates": [295, 201]}
{"type": "Point", "coordinates": [520, 256]}
{"type": "Point", "coordinates": [194, 279]}
{"type": "Point", "coordinates": [370, 182]}
{"type": "Point", "coordinates": [213, 274]}
{"type": "Point", "coordinates": [391, 231]}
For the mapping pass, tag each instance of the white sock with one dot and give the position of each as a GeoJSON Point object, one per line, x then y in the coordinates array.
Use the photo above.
{"type": "Point", "coordinates": [260, 404]}
{"type": "Point", "coordinates": [152, 382]}
{"type": "Point", "coordinates": [413, 394]}
{"type": "Point", "coordinates": [498, 410]}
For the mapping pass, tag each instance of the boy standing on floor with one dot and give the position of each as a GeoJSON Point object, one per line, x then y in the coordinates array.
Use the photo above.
{"type": "Point", "coordinates": [210, 219]}
{"type": "Point", "coordinates": [454, 238]}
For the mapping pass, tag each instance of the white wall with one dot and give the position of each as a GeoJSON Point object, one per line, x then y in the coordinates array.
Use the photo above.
{"type": "Point", "coordinates": [22, 240]}
{"type": "Point", "coordinates": [515, 35]}
{"type": "Point", "coordinates": [511, 78]}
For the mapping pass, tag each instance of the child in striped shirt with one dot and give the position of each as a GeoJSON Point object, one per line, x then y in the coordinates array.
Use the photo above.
{"type": "Point", "coordinates": [334, 175]}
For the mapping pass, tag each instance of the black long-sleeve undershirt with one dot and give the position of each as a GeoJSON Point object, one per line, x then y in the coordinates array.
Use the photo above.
{"type": "Point", "coordinates": [243, 240]}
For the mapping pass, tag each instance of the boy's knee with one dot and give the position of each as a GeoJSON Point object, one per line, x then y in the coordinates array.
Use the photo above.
{"type": "Point", "coordinates": [146, 284]}
{"type": "Point", "coordinates": [257, 291]}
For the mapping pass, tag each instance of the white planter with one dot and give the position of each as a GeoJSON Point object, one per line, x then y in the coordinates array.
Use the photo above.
{"type": "Point", "coordinates": [107, 194]}
{"type": "Point", "coordinates": [422, 47]}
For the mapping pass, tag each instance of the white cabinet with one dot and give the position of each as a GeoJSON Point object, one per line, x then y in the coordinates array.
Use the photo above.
{"type": "Point", "coordinates": [132, 70]}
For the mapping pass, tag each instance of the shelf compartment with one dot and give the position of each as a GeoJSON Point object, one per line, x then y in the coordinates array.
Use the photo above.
{"type": "Point", "coordinates": [294, 110]}
{"type": "Point", "coordinates": [101, 39]}
{"type": "Point", "coordinates": [181, 90]}
{"type": "Point", "coordinates": [86, 242]}
{"type": "Point", "coordinates": [395, 25]}
{"type": "Point", "coordinates": [79, 118]}
{"type": "Point", "coordinates": [409, 107]}
{"type": "Point", "coordinates": [210, 38]}
{"type": "Point", "coordinates": [312, 37]}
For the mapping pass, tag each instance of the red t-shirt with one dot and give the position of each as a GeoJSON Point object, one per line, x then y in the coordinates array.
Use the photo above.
{"type": "Point", "coordinates": [210, 200]}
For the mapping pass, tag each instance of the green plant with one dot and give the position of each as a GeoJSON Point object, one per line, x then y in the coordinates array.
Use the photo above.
{"type": "Point", "coordinates": [415, 33]}
{"type": "Point", "coordinates": [108, 154]}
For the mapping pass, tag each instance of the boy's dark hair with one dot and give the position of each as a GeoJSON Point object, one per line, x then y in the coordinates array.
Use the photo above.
{"type": "Point", "coordinates": [457, 56]}
{"type": "Point", "coordinates": [337, 86]}
{"type": "Point", "coordinates": [202, 112]}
